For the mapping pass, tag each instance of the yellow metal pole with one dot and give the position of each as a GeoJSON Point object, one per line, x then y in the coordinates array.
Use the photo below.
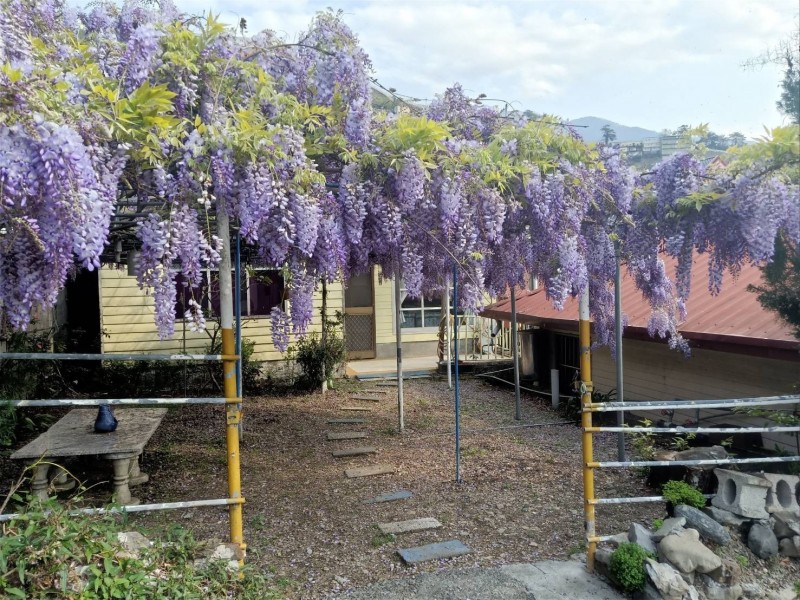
{"type": "Point", "coordinates": [233, 413]}
{"type": "Point", "coordinates": [585, 342]}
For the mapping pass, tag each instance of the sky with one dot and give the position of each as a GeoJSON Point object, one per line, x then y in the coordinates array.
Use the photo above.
{"type": "Point", "coordinates": [649, 63]}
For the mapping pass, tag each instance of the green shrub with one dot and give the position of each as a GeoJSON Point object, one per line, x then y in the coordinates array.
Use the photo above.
{"type": "Point", "coordinates": [312, 357]}
{"type": "Point", "coordinates": [680, 492]}
{"type": "Point", "coordinates": [53, 554]}
{"type": "Point", "coordinates": [627, 566]}
{"type": "Point", "coordinates": [658, 524]}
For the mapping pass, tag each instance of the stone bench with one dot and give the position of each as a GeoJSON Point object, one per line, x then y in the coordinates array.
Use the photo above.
{"type": "Point", "coordinates": [74, 436]}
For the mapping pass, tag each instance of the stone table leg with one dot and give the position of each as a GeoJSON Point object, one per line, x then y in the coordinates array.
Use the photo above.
{"type": "Point", "coordinates": [136, 477]}
{"type": "Point", "coordinates": [62, 482]}
{"type": "Point", "coordinates": [40, 483]}
{"type": "Point", "coordinates": [122, 465]}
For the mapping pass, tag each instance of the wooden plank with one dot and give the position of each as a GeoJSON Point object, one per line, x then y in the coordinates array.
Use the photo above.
{"type": "Point", "coordinates": [390, 497]}
{"type": "Point", "coordinates": [367, 398]}
{"type": "Point", "coordinates": [375, 391]}
{"type": "Point", "coordinates": [354, 451]}
{"type": "Point", "coordinates": [346, 435]}
{"type": "Point", "coordinates": [448, 549]}
{"type": "Point", "coordinates": [356, 408]}
{"type": "Point", "coordinates": [386, 384]}
{"type": "Point", "coordinates": [409, 525]}
{"type": "Point", "coordinates": [369, 471]}
{"type": "Point", "coordinates": [346, 421]}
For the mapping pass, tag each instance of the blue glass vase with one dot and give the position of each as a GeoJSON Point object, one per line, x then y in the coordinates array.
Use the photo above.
{"type": "Point", "coordinates": [106, 422]}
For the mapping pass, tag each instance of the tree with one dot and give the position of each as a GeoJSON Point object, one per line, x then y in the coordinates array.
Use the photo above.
{"type": "Point", "coordinates": [609, 135]}
{"type": "Point", "coordinates": [780, 291]}
{"type": "Point", "coordinates": [787, 55]}
{"type": "Point", "coordinates": [737, 139]}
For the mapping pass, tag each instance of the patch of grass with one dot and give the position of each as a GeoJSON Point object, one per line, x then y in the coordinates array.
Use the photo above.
{"type": "Point", "coordinates": [284, 582]}
{"type": "Point", "coordinates": [576, 548]}
{"type": "Point", "coordinates": [744, 562]}
{"type": "Point", "coordinates": [258, 522]}
{"type": "Point", "coordinates": [381, 539]}
{"type": "Point", "coordinates": [474, 451]}
{"type": "Point", "coordinates": [680, 492]}
{"type": "Point", "coordinates": [657, 524]}
{"type": "Point", "coordinates": [423, 402]}
{"type": "Point", "coordinates": [426, 421]}
{"type": "Point", "coordinates": [391, 430]}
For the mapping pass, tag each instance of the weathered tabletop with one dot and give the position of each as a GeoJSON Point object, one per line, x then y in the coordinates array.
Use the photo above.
{"type": "Point", "coordinates": [74, 434]}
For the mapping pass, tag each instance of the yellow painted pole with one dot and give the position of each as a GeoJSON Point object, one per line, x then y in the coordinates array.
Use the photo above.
{"type": "Point", "coordinates": [233, 414]}
{"type": "Point", "coordinates": [233, 417]}
{"type": "Point", "coordinates": [585, 342]}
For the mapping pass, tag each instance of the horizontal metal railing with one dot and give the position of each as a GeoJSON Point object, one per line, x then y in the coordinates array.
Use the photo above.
{"type": "Point", "coordinates": [138, 508]}
{"type": "Point", "coordinates": [682, 404]}
{"type": "Point", "coordinates": [681, 429]}
{"type": "Point", "coordinates": [693, 463]}
{"type": "Point", "coordinates": [107, 356]}
{"type": "Point", "coordinates": [78, 402]}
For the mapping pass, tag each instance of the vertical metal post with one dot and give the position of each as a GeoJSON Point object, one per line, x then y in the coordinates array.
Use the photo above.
{"type": "Point", "coordinates": [618, 357]}
{"type": "Point", "coordinates": [585, 341]}
{"type": "Point", "coordinates": [515, 354]}
{"type": "Point", "coordinates": [457, 395]}
{"type": "Point", "coordinates": [447, 335]}
{"type": "Point", "coordinates": [399, 348]}
{"type": "Point", "coordinates": [232, 401]}
{"type": "Point", "coordinates": [237, 304]}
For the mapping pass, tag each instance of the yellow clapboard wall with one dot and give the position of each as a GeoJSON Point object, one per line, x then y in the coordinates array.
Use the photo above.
{"type": "Point", "coordinates": [128, 322]}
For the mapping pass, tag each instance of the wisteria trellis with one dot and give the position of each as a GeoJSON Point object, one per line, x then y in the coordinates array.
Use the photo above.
{"type": "Point", "coordinates": [182, 116]}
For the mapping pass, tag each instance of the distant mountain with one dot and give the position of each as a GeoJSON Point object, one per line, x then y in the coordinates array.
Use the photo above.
{"type": "Point", "coordinates": [593, 130]}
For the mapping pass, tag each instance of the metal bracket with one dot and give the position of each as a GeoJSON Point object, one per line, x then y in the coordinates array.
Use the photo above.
{"type": "Point", "coordinates": [234, 415]}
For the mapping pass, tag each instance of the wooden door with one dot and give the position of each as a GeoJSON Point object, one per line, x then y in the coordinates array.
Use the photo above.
{"type": "Point", "coordinates": [359, 317]}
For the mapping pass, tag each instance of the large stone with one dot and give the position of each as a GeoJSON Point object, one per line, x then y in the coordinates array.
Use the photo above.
{"type": "Point", "coordinates": [602, 560]}
{"type": "Point", "coordinates": [726, 517]}
{"type": "Point", "coordinates": [785, 524]}
{"type": "Point", "coordinates": [687, 553]}
{"type": "Point", "coordinates": [751, 590]}
{"type": "Point", "coordinates": [714, 590]}
{"type": "Point", "coordinates": [133, 541]}
{"type": "Point", "coordinates": [709, 529]}
{"type": "Point", "coordinates": [781, 494]}
{"type": "Point", "coordinates": [741, 493]}
{"type": "Point", "coordinates": [762, 541]}
{"type": "Point", "coordinates": [409, 526]}
{"type": "Point", "coordinates": [790, 546]}
{"type": "Point", "coordinates": [703, 453]}
{"type": "Point", "coordinates": [616, 540]}
{"type": "Point", "coordinates": [670, 526]}
{"type": "Point", "coordinates": [641, 535]}
{"type": "Point", "coordinates": [668, 581]}
{"type": "Point", "coordinates": [728, 574]}
{"type": "Point", "coordinates": [784, 594]}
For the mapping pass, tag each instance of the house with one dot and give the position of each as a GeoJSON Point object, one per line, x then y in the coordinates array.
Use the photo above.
{"type": "Point", "coordinates": [126, 316]}
{"type": "Point", "coordinates": [739, 349]}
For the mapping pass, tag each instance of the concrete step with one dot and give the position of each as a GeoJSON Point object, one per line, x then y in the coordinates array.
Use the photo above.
{"type": "Point", "coordinates": [409, 526]}
{"type": "Point", "coordinates": [354, 451]}
{"type": "Point", "coordinates": [346, 435]}
{"type": "Point", "coordinates": [366, 398]}
{"type": "Point", "coordinates": [346, 421]}
{"type": "Point", "coordinates": [448, 549]}
{"type": "Point", "coordinates": [370, 470]}
{"type": "Point", "coordinates": [356, 408]}
{"type": "Point", "coordinates": [390, 497]}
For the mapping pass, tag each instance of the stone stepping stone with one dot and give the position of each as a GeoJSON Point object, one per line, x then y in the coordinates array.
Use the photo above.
{"type": "Point", "coordinates": [367, 398]}
{"type": "Point", "coordinates": [386, 384]}
{"type": "Point", "coordinates": [390, 497]}
{"type": "Point", "coordinates": [376, 391]}
{"type": "Point", "coordinates": [436, 551]}
{"type": "Point", "coordinates": [354, 451]}
{"type": "Point", "coordinates": [356, 408]}
{"type": "Point", "coordinates": [346, 435]}
{"type": "Point", "coordinates": [409, 526]}
{"type": "Point", "coordinates": [346, 421]}
{"type": "Point", "coordinates": [369, 471]}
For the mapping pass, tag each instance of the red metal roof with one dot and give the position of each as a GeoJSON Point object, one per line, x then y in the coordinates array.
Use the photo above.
{"type": "Point", "coordinates": [734, 316]}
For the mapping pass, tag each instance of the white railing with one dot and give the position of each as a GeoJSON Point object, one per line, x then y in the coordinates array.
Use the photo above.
{"type": "Point", "coordinates": [481, 338]}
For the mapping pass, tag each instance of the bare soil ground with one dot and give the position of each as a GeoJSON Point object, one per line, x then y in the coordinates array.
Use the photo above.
{"type": "Point", "coordinates": [520, 499]}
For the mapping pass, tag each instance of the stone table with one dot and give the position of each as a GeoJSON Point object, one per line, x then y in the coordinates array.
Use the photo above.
{"type": "Point", "coordinates": [74, 435]}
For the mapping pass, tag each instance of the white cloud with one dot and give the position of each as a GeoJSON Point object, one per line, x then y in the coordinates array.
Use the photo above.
{"type": "Point", "coordinates": [566, 57]}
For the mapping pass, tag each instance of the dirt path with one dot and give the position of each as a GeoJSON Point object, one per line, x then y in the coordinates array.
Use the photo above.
{"type": "Point", "coordinates": [520, 499]}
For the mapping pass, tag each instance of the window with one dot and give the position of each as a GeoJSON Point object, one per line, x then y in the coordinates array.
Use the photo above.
{"type": "Point", "coordinates": [262, 289]}
{"type": "Point", "coordinates": [420, 312]}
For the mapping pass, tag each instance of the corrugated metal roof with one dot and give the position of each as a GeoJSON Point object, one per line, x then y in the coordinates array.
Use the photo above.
{"type": "Point", "coordinates": [734, 316]}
